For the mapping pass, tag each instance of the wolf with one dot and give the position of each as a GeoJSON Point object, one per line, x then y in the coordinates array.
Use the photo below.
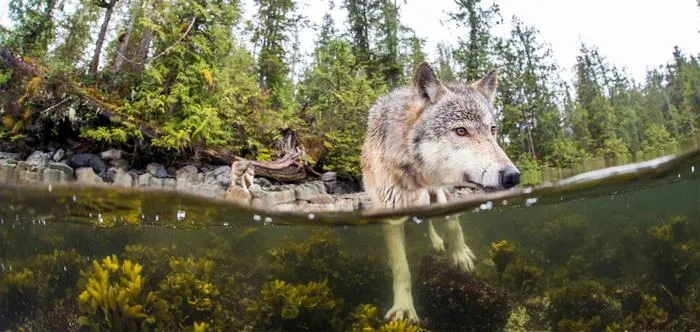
{"type": "Point", "coordinates": [420, 140]}
{"type": "Point", "coordinates": [243, 170]}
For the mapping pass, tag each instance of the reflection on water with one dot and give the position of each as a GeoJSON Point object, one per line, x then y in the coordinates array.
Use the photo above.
{"type": "Point", "coordinates": [614, 252]}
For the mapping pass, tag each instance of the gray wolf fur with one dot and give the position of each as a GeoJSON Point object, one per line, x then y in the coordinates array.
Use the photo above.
{"type": "Point", "coordinates": [421, 139]}
{"type": "Point", "coordinates": [243, 170]}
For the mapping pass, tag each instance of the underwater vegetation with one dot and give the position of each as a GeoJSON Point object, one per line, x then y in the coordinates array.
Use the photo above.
{"type": "Point", "coordinates": [311, 281]}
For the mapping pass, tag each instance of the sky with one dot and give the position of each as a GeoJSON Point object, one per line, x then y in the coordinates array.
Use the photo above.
{"type": "Point", "coordinates": [633, 34]}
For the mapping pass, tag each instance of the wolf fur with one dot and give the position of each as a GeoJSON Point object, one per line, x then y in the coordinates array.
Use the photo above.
{"type": "Point", "coordinates": [243, 170]}
{"type": "Point", "coordinates": [420, 139]}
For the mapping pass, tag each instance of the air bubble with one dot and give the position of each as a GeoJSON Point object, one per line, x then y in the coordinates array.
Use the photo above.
{"type": "Point", "coordinates": [65, 269]}
{"type": "Point", "coordinates": [157, 217]}
{"type": "Point", "coordinates": [527, 190]}
{"type": "Point", "coordinates": [181, 215]}
{"type": "Point", "coordinates": [50, 188]}
{"type": "Point", "coordinates": [268, 220]}
{"type": "Point", "coordinates": [417, 220]}
{"type": "Point", "coordinates": [692, 169]}
{"type": "Point", "coordinates": [226, 224]}
{"type": "Point", "coordinates": [530, 201]}
{"type": "Point", "coordinates": [312, 216]}
{"type": "Point", "coordinates": [256, 217]}
{"type": "Point", "coordinates": [74, 198]}
{"type": "Point", "coordinates": [486, 206]}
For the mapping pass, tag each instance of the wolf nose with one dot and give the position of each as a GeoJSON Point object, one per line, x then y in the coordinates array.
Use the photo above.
{"type": "Point", "coordinates": [510, 177]}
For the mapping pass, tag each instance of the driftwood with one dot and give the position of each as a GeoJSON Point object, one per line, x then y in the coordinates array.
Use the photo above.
{"type": "Point", "coordinates": [289, 168]}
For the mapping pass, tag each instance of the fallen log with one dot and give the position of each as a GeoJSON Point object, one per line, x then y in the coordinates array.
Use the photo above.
{"type": "Point", "coordinates": [289, 168]}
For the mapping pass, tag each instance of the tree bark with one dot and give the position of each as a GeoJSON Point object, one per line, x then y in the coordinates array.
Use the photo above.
{"type": "Point", "coordinates": [121, 51]}
{"type": "Point", "coordinates": [95, 63]}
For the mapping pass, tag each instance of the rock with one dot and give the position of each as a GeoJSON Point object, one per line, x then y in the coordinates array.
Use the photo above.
{"type": "Point", "coordinates": [144, 180]}
{"type": "Point", "coordinates": [65, 170]}
{"type": "Point", "coordinates": [309, 190]}
{"type": "Point", "coordinates": [220, 176]}
{"type": "Point", "coordinates": [123, 179]}
{"type": "Point", "coordinates": [263, 182]}
{"type": "Point", "coordinates": [187, 178]}
{"type": "Point", "coordinates": [59, 155]}
{"type": "Point", "coordinates": [171, 171]}
{"type": "Point", "coordinates": [169, 183]}
{"type": "Point", "coordinates": [38, 159]}
{"type": "Point", "coordinates": [329, 177]}
{"type": "Point", "coordinates": [155, 182]}
{"type": "Point", "coordinates": [274, 198]}
{"type": "Point", "coordinates": [88, 160]}
{"type": "Point", "coordinates": [238, 195]}
{"type": "Point", "coordinates": [9, 156]}
{"type": "Point", "coordinates": [322, 199]}
{"type": "Point", "coordinates": [121, 164]}
{"type": "Point", "coordinates": [157, 170]}
{"type": "Point", "coordinates": [111, 154]}
{"type": "Point", "coordinates": [87, 175]}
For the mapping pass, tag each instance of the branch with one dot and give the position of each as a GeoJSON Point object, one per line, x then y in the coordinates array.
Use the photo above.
{"type": "Point", "coordinates": [54, 106]}
{"type": "Point", "coordinates": [164, 51]}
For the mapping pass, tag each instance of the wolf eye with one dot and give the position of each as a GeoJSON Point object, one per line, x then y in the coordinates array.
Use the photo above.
{"type": "Point", "coordinates": [493, 130]}
{"type": "Point", "coordinates": [461, 131]}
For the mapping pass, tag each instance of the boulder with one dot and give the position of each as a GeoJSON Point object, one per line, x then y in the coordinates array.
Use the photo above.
{"type": "Point", "coordinates": [123, 179]}
{"type": "Point", "coordinates": [88, 160]}
{"type": "Point", "coordinates": [59, 155]}
{"type": "Point", "coordinates": [38, 159]}
{"type": "Point", "coordinates": [111, 154]}
{"type": "Point", "coordinates": [87, 175]}
{"type": "Point", "coordinates": [157, 170]}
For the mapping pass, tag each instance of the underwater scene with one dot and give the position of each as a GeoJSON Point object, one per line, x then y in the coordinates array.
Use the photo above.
{"type": "Point", "coordinates": [616, 249]}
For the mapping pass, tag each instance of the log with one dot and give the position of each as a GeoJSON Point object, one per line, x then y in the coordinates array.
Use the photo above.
{"type": "Point", "coordinates": [289, 168]}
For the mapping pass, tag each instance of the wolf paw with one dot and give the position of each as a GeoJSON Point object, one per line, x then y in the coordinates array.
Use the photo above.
{"type": "Point", "coordinates": [462, 257]}
{"type": "Point", "coordinates": [402, 312]}
{"type": "Point", "coordinates": [437, 242]}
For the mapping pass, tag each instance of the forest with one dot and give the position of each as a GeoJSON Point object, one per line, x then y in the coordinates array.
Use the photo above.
{"type": "Point", "coordinates": [179, 77]}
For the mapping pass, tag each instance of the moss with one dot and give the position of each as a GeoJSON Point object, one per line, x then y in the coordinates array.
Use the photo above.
{"type": "Point", "coordinates": [451, 300]}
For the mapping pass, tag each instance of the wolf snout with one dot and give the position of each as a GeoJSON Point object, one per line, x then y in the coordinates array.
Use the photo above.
{"type": "Point", "coordinates": [509, 177]}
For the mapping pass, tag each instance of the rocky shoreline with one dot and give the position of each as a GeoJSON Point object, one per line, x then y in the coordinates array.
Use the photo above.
{"type": "Point", "coordinates": [327, 193]}
{"type": "Point", "coordinates": [108, 168]}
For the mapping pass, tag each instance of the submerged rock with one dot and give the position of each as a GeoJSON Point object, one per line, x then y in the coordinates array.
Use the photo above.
{"type": "Point", "coordinates": [452, 300]}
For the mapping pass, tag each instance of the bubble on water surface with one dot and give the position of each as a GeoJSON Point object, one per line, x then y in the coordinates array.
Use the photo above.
{"type": "Point", "coordinates": [530, 201]}
{"type": "Point", "coordinates": [181, 215]}
{"type": "Point", "coordinates": [256, 217]}
{"type": "Point", "coordinates": [417, 220]}
{"type": "Point", "coordinates": [486, 206]}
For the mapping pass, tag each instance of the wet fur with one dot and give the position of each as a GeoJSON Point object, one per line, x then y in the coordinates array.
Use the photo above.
{"type": "Point", "coordinates": [411, 152]}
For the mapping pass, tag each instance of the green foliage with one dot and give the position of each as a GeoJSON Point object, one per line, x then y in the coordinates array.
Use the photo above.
{"type": "Point", "coordinates": [583, 306]}
{"type": "Point", "coordinates": [657, 139]}
{"type": "Point", "coordinates": [674, 254]}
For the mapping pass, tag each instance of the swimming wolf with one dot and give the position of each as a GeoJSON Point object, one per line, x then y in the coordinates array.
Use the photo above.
{"type": "Point", "coordinates": [421, 139]}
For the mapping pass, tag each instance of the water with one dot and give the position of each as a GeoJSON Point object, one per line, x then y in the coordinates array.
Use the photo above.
{"type": "Point", "coordinates": [616, 249]}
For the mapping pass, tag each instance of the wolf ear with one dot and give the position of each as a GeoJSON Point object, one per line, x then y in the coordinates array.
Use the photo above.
{"type": "Point", "coordinates": [487, 85]}
{"type": "Point", "coordinates": [426, 83]}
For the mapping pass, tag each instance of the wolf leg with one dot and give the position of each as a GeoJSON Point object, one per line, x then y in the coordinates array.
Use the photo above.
{"type": "Point", "coordinates": [458, 252]}
{"type": "Point", "coordinates": [403, 299]}
{"type": "Point", "coordinates": [435, 240]}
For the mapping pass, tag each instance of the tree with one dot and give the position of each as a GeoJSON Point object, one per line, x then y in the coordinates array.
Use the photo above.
{"type": "Point", "coordinates": [472, 53]}
{"type": "Point", "coordinates": [35, 27]}
{"type": "Point", "coordinates": [108, 6]}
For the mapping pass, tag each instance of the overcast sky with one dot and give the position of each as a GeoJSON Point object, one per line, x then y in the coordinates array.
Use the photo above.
{"type": "Point", "coordinates": [636, 34]}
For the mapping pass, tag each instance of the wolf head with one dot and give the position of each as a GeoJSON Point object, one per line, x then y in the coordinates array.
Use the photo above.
{"type": "Point", "coordinates": [455, 137]}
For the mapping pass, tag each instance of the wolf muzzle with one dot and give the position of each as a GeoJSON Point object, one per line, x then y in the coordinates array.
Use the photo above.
{"type": "Point", "coordinates": [509, 177]}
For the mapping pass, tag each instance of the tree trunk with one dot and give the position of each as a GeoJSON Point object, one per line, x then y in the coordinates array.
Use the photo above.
{"type": "Point", "coordinates": [121, 51]}
{"type": "Point", "coordinates": [95, 63]}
